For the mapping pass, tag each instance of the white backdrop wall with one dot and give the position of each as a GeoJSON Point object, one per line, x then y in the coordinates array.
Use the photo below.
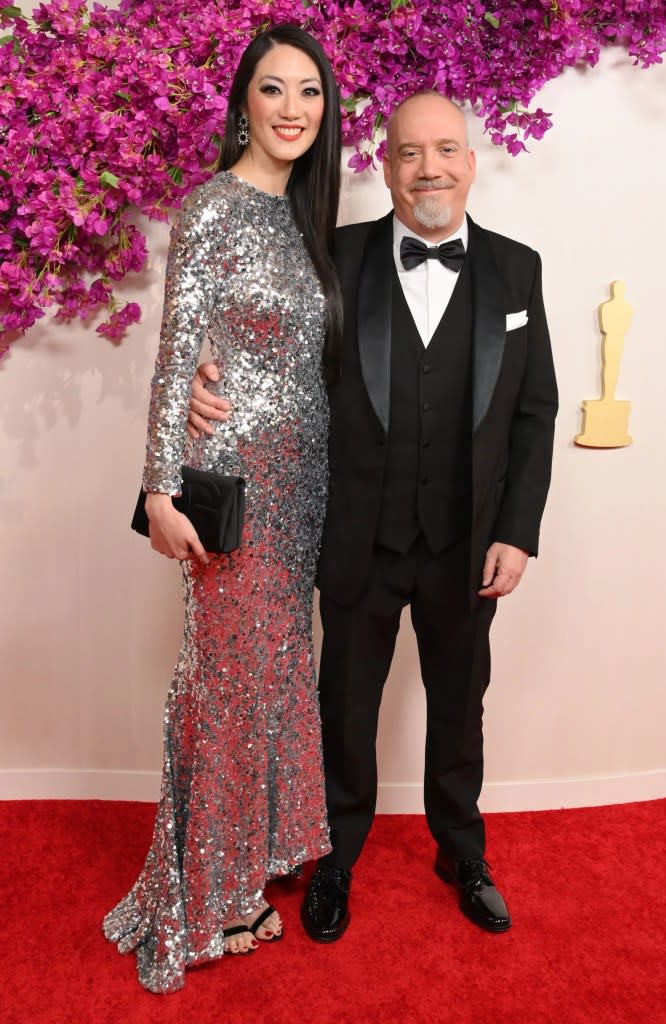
{"type": "Point", "coordinates": [575, 714]}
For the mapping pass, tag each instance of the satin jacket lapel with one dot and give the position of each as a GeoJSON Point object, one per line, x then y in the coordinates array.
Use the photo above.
{"type": "Point", "coordinates": [489, 321]}
{"type": "Point", "coordinates": [374, 316]}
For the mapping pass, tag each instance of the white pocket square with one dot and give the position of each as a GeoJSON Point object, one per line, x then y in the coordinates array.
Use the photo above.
{"type": "Point", "coordinates": [514, 320]}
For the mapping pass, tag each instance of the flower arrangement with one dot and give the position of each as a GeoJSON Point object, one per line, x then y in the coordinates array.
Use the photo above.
{"type": "Point", "coordinates": [103, 112]}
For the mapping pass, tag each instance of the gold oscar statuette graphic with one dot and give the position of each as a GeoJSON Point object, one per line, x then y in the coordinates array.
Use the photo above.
{"type": "Point", "coordinates": [606, 419]}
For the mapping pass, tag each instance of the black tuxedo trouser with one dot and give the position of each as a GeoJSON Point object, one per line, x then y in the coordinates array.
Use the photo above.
{"type": "Point", "coordinates": [454, 654]}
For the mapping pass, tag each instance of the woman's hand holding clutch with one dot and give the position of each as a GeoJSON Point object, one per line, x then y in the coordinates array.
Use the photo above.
{"type": "Point", "coordinates": [172, 533]}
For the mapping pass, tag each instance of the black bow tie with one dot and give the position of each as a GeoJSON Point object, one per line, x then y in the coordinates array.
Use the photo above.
{"type": "Point", "coordinates": [413, 252]}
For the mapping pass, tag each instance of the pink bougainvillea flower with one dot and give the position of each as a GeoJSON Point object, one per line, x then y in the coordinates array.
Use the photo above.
{"type": "Point", "coordinates": [105, 112]}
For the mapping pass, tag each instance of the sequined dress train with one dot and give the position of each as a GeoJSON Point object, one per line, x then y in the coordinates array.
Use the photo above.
{"type": "Point", "coordinates": [242, 794]}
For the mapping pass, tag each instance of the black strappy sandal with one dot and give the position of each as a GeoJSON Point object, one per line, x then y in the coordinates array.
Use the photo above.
{"type": "Point", "coordinates": [263, 916]}
{"type": "Point", "coordinates": [238, 929]}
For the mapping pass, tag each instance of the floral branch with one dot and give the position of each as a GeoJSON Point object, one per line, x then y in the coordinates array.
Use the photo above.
{"type": "Point", "coordinates": [105, 112]}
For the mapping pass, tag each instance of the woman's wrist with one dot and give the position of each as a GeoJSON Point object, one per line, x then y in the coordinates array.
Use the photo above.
{"type": "Point", "coordinates": [157, 503]}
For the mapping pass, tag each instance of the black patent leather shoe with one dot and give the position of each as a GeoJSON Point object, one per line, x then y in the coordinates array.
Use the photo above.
{"type": "Point", "coordinates": [480, 900]}
{"type": "Point", "coordinates": [325, 912]}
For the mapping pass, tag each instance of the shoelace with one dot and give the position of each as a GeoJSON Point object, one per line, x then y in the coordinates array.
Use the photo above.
{"type": "Point", "coordinates": [326, 873]}
{"type": "Point", "coordinates": [477, 871]}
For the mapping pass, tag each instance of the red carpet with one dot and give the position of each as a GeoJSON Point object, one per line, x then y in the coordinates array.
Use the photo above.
{"type": "Point", "coordinates": [586, 889]}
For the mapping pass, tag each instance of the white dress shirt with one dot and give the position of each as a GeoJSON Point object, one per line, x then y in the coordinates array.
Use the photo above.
{"type": "Point", "coordinates": [428, 287]}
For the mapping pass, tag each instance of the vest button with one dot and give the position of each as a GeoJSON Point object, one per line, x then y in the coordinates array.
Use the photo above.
{"type": "Point", "coordinates": [424, 481]}
{"type": "Point", "coordinates": [426, 444]}
{"type": "Point", "coordinates": [426, 406]}
{"type": "Point", "coordinates": [426, 367]}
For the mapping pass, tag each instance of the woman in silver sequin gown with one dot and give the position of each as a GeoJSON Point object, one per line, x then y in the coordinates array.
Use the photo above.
{"type": "Point", "coordinates": [242, 796]}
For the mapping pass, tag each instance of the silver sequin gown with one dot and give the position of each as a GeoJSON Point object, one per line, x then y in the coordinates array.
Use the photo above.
{"type": "Point", "coordinates": [242, 794]}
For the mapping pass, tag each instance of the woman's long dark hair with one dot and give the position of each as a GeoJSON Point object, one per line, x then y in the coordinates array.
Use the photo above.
{"type": "Point", "coordinates": [314, 183]}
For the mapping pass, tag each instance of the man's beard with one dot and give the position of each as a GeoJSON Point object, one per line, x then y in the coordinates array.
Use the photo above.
{"type": "Point", "coordinates": [432, 212]}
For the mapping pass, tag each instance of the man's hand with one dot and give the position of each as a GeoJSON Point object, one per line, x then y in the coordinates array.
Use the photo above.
{"type": "Point", "coordinates": [502, 570]}
{"type": "Point", "coordinates": [205, 406]}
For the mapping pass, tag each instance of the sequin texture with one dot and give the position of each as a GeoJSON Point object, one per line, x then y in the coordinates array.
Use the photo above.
{"type": "Point", "coordinates": [242, 794]}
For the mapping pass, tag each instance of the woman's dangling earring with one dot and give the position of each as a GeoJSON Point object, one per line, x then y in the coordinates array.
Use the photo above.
{"type": "Point", "coordinates": [243, 131]}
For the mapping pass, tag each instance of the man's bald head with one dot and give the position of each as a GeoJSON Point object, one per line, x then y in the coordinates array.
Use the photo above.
{"type": "Point", "coordinates": [417, 95]}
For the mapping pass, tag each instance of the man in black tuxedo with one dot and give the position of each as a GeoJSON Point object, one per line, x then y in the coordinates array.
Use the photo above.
{"type": "Point", "coordinates": [440, 453]}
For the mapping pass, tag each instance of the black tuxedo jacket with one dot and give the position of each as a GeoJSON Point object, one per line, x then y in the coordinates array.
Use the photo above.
{"type": "Point", "coordinates": [514, 403]}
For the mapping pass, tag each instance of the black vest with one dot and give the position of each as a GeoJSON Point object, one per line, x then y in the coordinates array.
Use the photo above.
{"type": "Point", "coordinates": [428, 477]}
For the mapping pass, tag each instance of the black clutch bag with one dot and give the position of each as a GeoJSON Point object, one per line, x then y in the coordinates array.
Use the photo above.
{"type": "Point", "coordinates": [213, 503]}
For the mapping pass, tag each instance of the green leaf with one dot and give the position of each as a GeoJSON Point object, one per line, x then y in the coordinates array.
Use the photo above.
{"type": "Point", "coordinates": [11, 11]}
{"type": "Point", "coordinates": [16, 46]}
{"type": "Point", "coordinates": [4, 175]}
{"type": "Point", "coordinates": [106, 178]}
{"type": "Point", "coordinates": [491, 19]}
{"type": "Point", "coordinates": [395, 4]}
{"type": "Point", "coordinates": [350, 103]}
{"type": "Point", "coordinates": [176, 175]}
{"type": "Point", "coordinates": [122, 95]}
